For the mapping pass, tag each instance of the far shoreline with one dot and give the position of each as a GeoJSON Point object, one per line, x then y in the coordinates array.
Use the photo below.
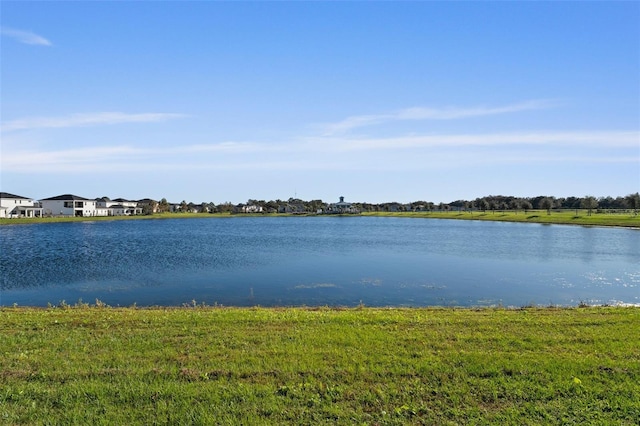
{"type": "Point", "coordinates": [616, 220]}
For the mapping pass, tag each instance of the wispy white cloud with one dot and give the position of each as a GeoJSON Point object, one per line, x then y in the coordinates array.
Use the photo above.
{"type": "Point", "coordinates": [439, 151]}
{"type": "Point", "coordinates": [629, 139]}
{"type": "Point", "coordinates": [422, 113]}
{"type": "Point", "coordinates": [25, 37]}
{"type": "Point", "coordinates": [84, 120]}
{"type": "Point", "coordinates": [127, 158]}
{"type": "Point", "coordinates": [227, 147]}
{"type": "Point", "coordinates": [62, 159]}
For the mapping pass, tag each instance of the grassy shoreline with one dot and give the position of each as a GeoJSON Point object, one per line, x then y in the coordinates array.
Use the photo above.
{"type": "Point", "coordinates": [533, 216]}
{"type": "Point", "coordinates": [566, 217]}
{"type": "Point", "coordinates": [213, 365]}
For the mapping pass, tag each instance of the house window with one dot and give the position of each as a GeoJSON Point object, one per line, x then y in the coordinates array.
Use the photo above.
{"type": "Point", "coordinates": [68, 204]}
{"type": "Point", "coordinates": [79, 204]}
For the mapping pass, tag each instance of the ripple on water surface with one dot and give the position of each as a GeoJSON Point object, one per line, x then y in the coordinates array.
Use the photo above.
{"type": "Point", "coordinates": [318, 261]}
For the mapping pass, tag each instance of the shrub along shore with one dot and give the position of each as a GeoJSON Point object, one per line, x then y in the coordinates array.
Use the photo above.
{"type": "Point", "coordinates": [625, 219]}
{"type": "Point", "coordinates": [216, 365]}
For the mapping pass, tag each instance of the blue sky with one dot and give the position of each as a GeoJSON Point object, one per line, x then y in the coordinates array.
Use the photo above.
{"type": "Point", "coordinates": [375, 101]}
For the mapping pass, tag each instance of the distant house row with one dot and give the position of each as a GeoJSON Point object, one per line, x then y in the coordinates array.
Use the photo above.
{"type": "Point", "coordinates": [13, 206]}
{"type": "Point", "coordinates": [16, 206]}
{"type": "Point", "coordinates": [294, 206]}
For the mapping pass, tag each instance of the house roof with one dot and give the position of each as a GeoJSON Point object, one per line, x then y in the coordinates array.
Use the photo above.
{"type": "Point", "coordinates": [6, 195]}
{"type": "Point", "coordinates": [66, 197]}
{"type": "Point", "coordinates": [25, 208]}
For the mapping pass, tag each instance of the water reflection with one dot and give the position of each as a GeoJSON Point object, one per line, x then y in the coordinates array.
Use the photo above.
{"type": "Point", "coordinates": [317, 261]}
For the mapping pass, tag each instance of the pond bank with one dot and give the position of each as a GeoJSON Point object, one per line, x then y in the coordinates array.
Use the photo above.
{"type": "Point", "coordinates": [534, 216]}
{"type": "Point", "coordinates": [624, 220]}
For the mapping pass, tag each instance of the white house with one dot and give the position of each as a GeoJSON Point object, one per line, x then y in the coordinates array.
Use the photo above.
{"type": "Point", "coordinates": [13, 206]}
{"type": "Point", "coordinates": [71, 205]}
{"type": "Point", "coordinates": [118, 207]}
{"type": "Point", "coordinates": [341, 207]}
{"type": "Point", "coordinates": [242, 208]}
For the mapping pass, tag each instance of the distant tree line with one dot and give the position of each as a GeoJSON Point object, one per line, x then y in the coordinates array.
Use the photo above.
{"type": "Point", "coordinates": [492, 203]}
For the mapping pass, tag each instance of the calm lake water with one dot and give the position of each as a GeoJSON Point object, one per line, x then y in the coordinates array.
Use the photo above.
{"type": "Point", "coordinates": [344, 261]}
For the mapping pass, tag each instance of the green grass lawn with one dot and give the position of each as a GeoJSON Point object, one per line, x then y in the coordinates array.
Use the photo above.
{"type": "Point", "coordinates": [565, 217]}
{"type": "Point", "coordinates": [57, 219]}
{"type": "Point", "coordinates": [101, 365]}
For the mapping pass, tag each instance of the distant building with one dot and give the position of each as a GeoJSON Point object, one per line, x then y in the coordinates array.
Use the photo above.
{"type": "Point", "coordinates": [243, 208]}
{"type": "Point", "coordinates": [71, 205]}
{"type": "Point", "coordinates": [342, 207]}
{"type": "Point", "coordinates": [394, 207]}
{"type": "Point", "coordinates": [118, 207]}
{"type": "Point", "coordinates": [15, 206]}
{"type": "Point", "coordinates": [292, 208]}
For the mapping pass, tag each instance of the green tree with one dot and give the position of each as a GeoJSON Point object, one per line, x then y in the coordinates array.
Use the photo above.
{"type": "Point", "coordinates": [589, 202]}
{"type": "Point", "coordinates": [163, 206]}
{"type": "Point", "coordinates": [515, 205]}
{"type": "Point", "coordinates": [226, 207]}
{"type": "Point", "coordinates": [570, 203]}
{"type": "Point", "coordinates": [547, 204]}
{"type": "Point", "coordinates": [271, 206]}
{"type": "Point", "coordinates": [149, 208]}
{"type": "Point", "coordinates": [633, 202]}
{"type": "Point", "coordinates": [315, 205]}
{"type": "Point", "coordinates": [469, 206]}
{"type": "Point", "coordinates": [493, 205]}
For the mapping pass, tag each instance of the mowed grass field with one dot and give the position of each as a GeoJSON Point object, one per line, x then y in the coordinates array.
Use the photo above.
{"type": "Point", "coordinates": [625, 219]}
{"type": "Point", "coordinates": [215, 365]}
